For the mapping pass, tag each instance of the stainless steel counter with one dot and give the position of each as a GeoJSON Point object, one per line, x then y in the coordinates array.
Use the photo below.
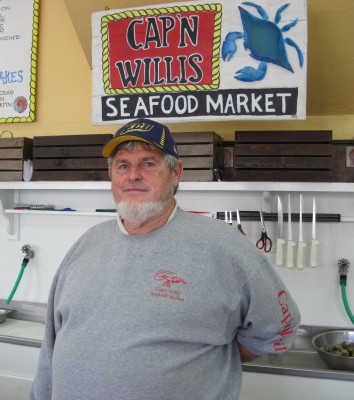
{"type": "Point", "coordinates": [301, 360]}
{"type": "Point", "coordinates": [24, 325]}
{"type": "Point", "coordinates": [21, 332]}
{"type": "Point", "coordinates": [296, 363]}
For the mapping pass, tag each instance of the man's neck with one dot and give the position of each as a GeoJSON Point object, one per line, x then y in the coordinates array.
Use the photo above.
{"type": "Point", "coordinates": [151, 224]}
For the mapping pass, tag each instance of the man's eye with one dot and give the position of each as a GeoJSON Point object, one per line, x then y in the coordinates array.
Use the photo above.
{"type": "Point", "coordinates": [150, 165]}
{"type": "Point", "coordinates": [122, 166]}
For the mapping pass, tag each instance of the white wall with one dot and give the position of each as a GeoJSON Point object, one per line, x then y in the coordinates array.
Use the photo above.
{"type": "Point", "coordinates": [50, 237]}
{"type": "Point", "coordinates": [316, 290]}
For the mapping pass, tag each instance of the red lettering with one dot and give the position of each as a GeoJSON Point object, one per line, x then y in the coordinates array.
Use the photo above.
{"type": "Point", "coordinates": [161, 50]}
{"type": "Point", "coordinates": [285, 321]}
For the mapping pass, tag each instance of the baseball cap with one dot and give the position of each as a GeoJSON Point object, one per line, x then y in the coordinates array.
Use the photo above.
{"type": "Point", "coordinates": [144, 130]}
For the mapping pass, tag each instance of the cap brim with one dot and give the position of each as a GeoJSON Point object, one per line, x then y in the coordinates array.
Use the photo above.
{"type": "Point", "coordinates": [115, 142]}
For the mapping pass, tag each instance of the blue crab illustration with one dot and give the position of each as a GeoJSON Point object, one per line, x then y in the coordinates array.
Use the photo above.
{"type": "Point", "coordinates": [265, 41]}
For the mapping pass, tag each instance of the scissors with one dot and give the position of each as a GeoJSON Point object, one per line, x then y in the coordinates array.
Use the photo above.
{"type": "Point", "coordinates": [239, 227]}
{"type": "Point", "coordinates": [265, 241]}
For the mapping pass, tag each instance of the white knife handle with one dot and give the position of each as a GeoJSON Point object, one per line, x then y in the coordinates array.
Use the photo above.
{"type": "Point", "coordinates": [313, 259]}
{"type": "Point", "coordinates": [279, 252]}
{"type": "Point", "coordinates": [290, 254]}
{"type": "Point", "coordinates": [300, 255]}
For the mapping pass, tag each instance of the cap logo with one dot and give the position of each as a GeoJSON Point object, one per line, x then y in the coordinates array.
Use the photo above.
{"type": "Point", "coordinates": [138, 128]}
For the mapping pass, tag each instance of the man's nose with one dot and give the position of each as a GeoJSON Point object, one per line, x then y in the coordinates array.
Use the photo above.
{"type": "Point", "coordinates": [135, 172]}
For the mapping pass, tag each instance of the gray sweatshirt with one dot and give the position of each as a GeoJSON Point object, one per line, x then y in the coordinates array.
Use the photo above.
{"type": "Point", "coordinates": [157, 316]}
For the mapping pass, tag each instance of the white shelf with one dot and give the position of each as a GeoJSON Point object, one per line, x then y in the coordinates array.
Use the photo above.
{"type": "Point", "coordinates": [335, 187]}
{"type": "Point", "coordinates": [269, 186]}
{"type": "Point", "coordinates": [68, 213]}
{"type": "Point", "coordinates": [57, 185]}
{"type": "Point", "coordinates": [10, 195]}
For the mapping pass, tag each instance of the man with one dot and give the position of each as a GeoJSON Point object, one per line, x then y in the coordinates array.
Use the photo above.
{"type": "Point", "coordinates": [160, 303]}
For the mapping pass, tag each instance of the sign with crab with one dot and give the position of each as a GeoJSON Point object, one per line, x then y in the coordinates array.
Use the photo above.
{"type": "Point", "coordinates": [19, 31]}
{"type": "Point", "coordinates": [223, 60]}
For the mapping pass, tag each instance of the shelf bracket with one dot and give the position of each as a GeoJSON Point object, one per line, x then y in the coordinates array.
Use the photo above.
{"type": "Point", "coordinates": [12, 221]}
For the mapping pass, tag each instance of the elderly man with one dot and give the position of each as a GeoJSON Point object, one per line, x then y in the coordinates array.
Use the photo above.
{"type": "Point", "coordinates": [144, 307]}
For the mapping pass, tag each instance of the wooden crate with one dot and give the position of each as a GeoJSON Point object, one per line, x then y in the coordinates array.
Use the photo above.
{"type": "Point", "coordinates": [282, 156]}
{"type": "Point", "coordinates": [70, 158]}
{"type": "Point", "coordinates": [343, 161]}
{"type": "Point", "coordinates": [201, 154]}
{"type": "Point", "coordinates": [13, 152]}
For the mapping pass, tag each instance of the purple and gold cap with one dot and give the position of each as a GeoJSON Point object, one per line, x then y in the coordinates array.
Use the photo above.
{"type": "Point", "coordinates": [143, 130]}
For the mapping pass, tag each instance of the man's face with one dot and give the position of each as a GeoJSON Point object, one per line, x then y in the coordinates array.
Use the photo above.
{"type": "Point", "coordinates": [141, 175]}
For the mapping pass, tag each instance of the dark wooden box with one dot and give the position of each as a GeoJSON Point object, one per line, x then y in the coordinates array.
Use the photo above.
{"type": "Point", "coordinates": [70, 158]}
{"type": "Point", "coordinates": [343, 161]}
{"type": "Point", "coordinates": [201, 154]}
{"type": "Point", "coordinates": [13, 152]}
{"type": "Point", "coordinates": [283, 156]}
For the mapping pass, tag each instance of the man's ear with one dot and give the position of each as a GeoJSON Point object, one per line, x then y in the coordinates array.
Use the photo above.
{"type": "Point", "coordinates": [178, 170]}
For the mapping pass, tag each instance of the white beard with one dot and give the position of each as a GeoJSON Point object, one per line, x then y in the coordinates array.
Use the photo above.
{"type": "Point", "coordinates": [138, 213]}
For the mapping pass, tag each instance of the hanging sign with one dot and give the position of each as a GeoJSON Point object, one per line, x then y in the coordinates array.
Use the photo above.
{"type": "Point", "coordinates": [18, 54]}
{"type": "Point", "coordinates": [222, 60]}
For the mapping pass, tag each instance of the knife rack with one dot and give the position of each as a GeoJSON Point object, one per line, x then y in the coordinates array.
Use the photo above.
{"type": "Point", "coordinates": [268, 216]}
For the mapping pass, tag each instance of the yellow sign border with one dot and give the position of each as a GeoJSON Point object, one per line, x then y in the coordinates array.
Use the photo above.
{"type": "Point", "coordinates": [33, 77]}
{"type": "Point", "coordinates": [158, 11]}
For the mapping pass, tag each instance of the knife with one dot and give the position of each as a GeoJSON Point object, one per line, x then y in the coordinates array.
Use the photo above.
{"type": "Point", "coordinates": [301, 244]}
{"type": "Point", "coordinates": [280, 240]}
{"type": "Point", "coordinates": [239, 226]}
{"type": "Point", "coordinates": [314, 242]}
{"type": "Point", "coordinates": [291, 243]}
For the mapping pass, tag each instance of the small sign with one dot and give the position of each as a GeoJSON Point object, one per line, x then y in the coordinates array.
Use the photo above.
{"type": "Point", "coordinates": [19, 20]}
{"type": "Point", "coordinates": [199, 60]}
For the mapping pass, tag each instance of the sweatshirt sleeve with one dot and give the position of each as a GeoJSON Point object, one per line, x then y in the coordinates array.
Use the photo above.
{"type": "Point", "coordinates": [42, 385]}
{"type": "Point", "coordinates": [270, 316]}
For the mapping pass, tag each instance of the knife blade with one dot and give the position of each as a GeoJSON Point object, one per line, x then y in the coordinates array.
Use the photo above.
{"type": "Point", "coordinates": [291, 243]}
{"type": "Point", "coordinates": [280, 239]}
{"type": "Point", "coordinates": [314, 242]}
{"type": "Point", "coordinates": [301, 243]}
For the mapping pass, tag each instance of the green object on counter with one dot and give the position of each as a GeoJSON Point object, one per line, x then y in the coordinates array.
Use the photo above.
{"type": "Point", "coordinates": [345, 301]}
{"type": "Point", "coordinates": [18, 280]}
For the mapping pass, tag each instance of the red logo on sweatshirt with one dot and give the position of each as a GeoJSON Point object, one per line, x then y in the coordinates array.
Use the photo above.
{"type": "Point", "coordinates": [286, 321]}
{"type": "Point", "coordinates": [169, 278]}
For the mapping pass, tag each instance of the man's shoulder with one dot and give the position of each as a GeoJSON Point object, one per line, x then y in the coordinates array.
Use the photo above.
{"type": "Point", "coordinates": [200, 217]}
{"type": "Point", "coordinates": [204, 222]}
{"type": "Point", "coordinates": [100, 229]}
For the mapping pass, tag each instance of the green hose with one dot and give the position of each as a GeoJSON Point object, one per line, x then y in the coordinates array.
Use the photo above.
{"type": "Point", "coordinates": [345, 301]}
{"type": "Point", "coordinates": [18, 280]}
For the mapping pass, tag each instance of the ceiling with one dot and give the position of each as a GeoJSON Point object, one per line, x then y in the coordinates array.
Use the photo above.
{"type": "Point", "coordinates": [330, 77]}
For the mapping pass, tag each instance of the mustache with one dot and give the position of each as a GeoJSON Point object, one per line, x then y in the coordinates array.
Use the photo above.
{"type": "Point", "coordinates": [135, 187]}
